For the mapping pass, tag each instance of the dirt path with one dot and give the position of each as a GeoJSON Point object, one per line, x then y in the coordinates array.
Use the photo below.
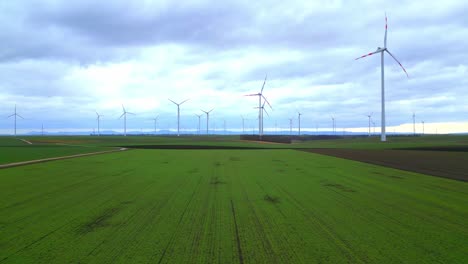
{"type": "Point", "coordinates": [25, 141]}
{"type": "Point", "coordinates": [452, 165]}
{"type": "Point", "coordinates": [22, 163]}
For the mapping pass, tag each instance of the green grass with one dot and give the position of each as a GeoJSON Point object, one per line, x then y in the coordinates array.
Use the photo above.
{"type": "Point", "coordinates": [15, 150]}
{"type": "Point", "coordinates": [228, 206]}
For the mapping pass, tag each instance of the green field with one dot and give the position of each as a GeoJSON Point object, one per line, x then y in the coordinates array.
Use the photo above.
{"type": "Point", "coordinates": [14, 150]}
{"type": "Point", "coordinates": [227, 206]}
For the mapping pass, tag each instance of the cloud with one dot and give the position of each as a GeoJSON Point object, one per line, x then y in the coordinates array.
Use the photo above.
{"type": "Point", "coordinates": [60, 61]}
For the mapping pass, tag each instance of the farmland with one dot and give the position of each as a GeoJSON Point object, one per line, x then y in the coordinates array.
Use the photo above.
{"type": "Point", "coordinates": [227, 206]}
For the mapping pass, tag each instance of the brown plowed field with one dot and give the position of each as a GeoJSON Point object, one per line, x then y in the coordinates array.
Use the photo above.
{"type": "Point", "coordinates": [452, 165]}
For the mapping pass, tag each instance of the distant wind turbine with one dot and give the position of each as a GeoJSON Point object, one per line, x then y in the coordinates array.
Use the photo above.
{"type": "Point", "coordinates": [243, 128]}
{"type": "Point", "coordinates": [290, 126]}
{"type": "Point", "coordinates": [178, 113]}
{"type": "Point", "coordinates": [299, 117]}
{"type": "Point", "coordinates": [155, 124]}
{"type": "Point", "coordinates": [124, 114]}
{"type": "Point", "coordinates": [382, 51]}
{"type": "Point", "coordinates": [423, 126]}
{"type": "Point", "coordinates": [333, 124]}
{"type": "Point", "coordinates": [414, 124]}
{"type": "Point", "coordinates": [98, 123]}
{"type": "Point", "coordinates": [369, 116]}
{"type": "Point", "coordinates": [207, 118]}
{"type": "Point", "coordinates": [199, 116]}
{"type": "Point", "coordinates": [15, 114]}
{"type": "Point", "coordinates": [260, 107]}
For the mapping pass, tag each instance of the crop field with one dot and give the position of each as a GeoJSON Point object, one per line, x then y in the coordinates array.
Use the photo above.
{"type": "Point", "coordinates": [227, 206]}
{"type": "Point", "coordinates": [15, 150]}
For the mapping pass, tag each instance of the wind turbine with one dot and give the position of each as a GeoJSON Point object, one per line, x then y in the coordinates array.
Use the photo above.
{"type": "Point", "coordinates": [414, 124]}
{"type": "Point", "coordinates": [299, 117]}
{"type": "Point", "coordinates": [333, 124]}
{"type": "Point", "coordinates": [423, 126]}
{"type": "Point", "coordinates": [382, 51]}
{"type": "Point", "coordinates": [290, 126]}
{"type": "Point", "coordinates": [15, 115]}
{"type": "Point", "coordinates": [155, 123]}
{"type": "Point", "coordinates": [98, 123]}
{"type": "Point", "coordinates": [243, 128]}
{"type": "Point", "coordinates": [199, 116]}
{"type": "Point", "coordinates": [207, 118]}
{"type": "Point", "coordinates": [178, 113]}
{"type": "Point", "coordinates": [369, 116]}
{"type": "Point", "coordinates": [124, 114]}
{"type": "Point", "coordinates": [260, 107]}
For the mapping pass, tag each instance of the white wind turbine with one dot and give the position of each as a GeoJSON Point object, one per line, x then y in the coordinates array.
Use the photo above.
{"type": "Point", "coordinates": [178, 113]}
{"type": "Point", "coordinates": [207, 118]}
{"type": "Point", "coordinates": [243, 128]}
{"type": "Point", "coordinates": [15, 114]}
{"type": "Point", "coordinates": [124, 114]}
{"type": "Point", "coordinates": [333, 124]}
{"type": "Point", "coordinates": [260, 107]}
{"type": "Point", "coordinates": [369, 116]}
{"type": "Point", "coordinates": [381, 51]}
{"type": "Point", "coordinates": [299, 118]}
{"type": "Point", "coordinates": [290, 126]}
{"type": "Point", "coordinates": [414, 124]}
{"type": "Point", "coordinates": [199, 116]}
{"type": "Point", "coordinates": [155, 124]}
{"type": "Point", "coordinates": [98, 122]}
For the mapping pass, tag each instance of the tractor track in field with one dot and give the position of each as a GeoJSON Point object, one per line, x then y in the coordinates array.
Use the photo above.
{"type": "Point", "coordinates": [171, 240]}
{"type": "Point", "coordinates": [239, 248]}
{"type": "Point", "coordinates": [323, 228]}
{"type": "Point", "coordinates": [28, 162]}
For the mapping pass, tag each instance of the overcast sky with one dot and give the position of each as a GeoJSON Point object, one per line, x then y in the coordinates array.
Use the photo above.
{"type": "Point", "coordinates": [60, 61]}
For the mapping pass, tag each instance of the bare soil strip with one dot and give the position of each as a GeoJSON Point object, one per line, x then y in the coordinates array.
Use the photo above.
{"type": "Point", "coordinates": [22, 163]}
{"type": "Point", "coordinates": [452, 165]}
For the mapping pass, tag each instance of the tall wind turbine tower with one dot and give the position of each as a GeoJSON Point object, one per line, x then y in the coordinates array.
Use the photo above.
{"type": "Point", "coordinates": [15, 114]}
{"type": "Point", "coordinates": [382, 51]}
{"type": "Point", "coordinates": [414, 124]}
{"type": "Point", "coordinates": [299, 118]}
{"type": "Point", "coordinates": [333, 124]}
{"type": "Point", "coordinates": [124, 114]}
{"type": "Point", "coordinates": [423, 126]}
{"type": "Point", "coordinates": [243, 127]}
{"type": "Point", "coordinates": [155, 124]}
{"type": "Point", "coordinates": [207, 118]}
{"type": "Point", "coordinates": [178, 114]}
{"type": "Point", "coordinates": [199, 116]}
{"type": "Point", "coordinates": [290, 126]}
{"type": "Point", "coordinates": [369, 116]}
{"type": "Point", "coordinates": [98, 123]}
{"type": "Point", "coordinates": [260, 107]}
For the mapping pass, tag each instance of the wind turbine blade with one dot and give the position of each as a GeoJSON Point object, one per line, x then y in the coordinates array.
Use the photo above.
{"type": "Point", "coordinates": [173, 101]}
{"type": "Point", "coordinates": [11, 115]}
{"type": "Point", "coordinates": [385, 38]}
{"type": "Point", "coordinates": [265, 111]}
{"type": "Point", "coordinates": [130, 113]}
{"type": "Point", "coordinates": [252, 94]}
{"type": "Point", "coordinates": [398, 63]}
{"type": "Point", "coordinates": [122, 115]}
{"type": "Point", "coordinates": [184, 101]}
{"type": "Point", "coordinates": [211, 110]}
{"type": "Point", "coordinates": [267, 102]}
{"type": "Point", "coordinates": [263, 86]}
{"type": "Point", "coordinates": [372, 53]}
{"type": "Point", "coordinates": [123, 108]}
{"type": "Point", "coordinates": [20, 116]}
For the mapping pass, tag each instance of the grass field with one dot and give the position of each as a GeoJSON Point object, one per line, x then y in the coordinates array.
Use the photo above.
{"type": "Point", "coordinates": [14, 150]}
{"type": "Point", "coordinates": [228, 206]}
